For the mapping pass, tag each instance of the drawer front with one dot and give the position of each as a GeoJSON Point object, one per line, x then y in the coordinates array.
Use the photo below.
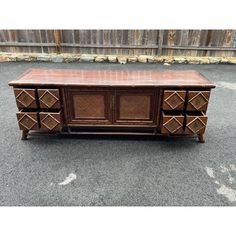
{"type": "Point", "coordinates": [172, 124]}
{"type": "Point", "coordinates": [195, 124]}
{"type": "Point", "coordinates": [49, 98]}
{"type": "Point", "coordinates": [198, 100]}
{"type": "Point", "coordinates": [25, 98]}
{"type": "Point", "coordinates": [50, 120]}
{"type": "Point", "coordinates": [27, 120]}
{"type": "Point", "coordinates": [173, 100]}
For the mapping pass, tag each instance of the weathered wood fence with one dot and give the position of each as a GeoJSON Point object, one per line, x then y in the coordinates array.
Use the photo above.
{"type": "Point", "coordinates": [214, 43]}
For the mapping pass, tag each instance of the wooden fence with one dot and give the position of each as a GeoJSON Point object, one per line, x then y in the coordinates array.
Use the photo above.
{"type": "Point", "coordinates": [215, 43]}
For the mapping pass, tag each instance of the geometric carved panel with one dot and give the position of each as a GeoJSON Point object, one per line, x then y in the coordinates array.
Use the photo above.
{"type": "Point", "coordinates": [173, 100]}
{"type": "Point", "coordinates": [49, 98]}
{"type": "Point", "coordinates": [134, 107]}
{"type": "Point", "coordinates": [195, 124]}
{"type": "Point", "coordinates": [198, 100]}
{"type": "Point", "coordinates": [27, 120]}
{"type": "Point", "coordinates": [50, 120]}
{"type": "Point", "coordinates": [25, 98]}
{"type": "Point", "coordinates": [89, 106]}
{"type": "Point", "coordinates": [172, 124]}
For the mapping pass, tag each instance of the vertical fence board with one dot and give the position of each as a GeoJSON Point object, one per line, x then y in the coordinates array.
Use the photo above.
{"type": "Point", "coordinates": [43, 34]}
{"type": "Point", "coordinates": [22, 37]}
{"type": "Point", "coordinates": [177, 42]}
{"type": "Point", "coordinates": [226, 41]}
{"type": "Point", "coordinates": [12, 38]}
{"type": "Point", "coordinates": [160, 42]}
{"type": "Point", "coordinates": [214, 41]}
{"type": "Point", "coordinates": [155, 41]}
{"type": "Point", "coordinates": [171, 41]}
{"type": "Point", "coordinates": [193, 40]}
{"type": "Point", "coordinates": [136, 41]}
{"type": "Point", "coordinates": [233, 43]}
{"type": "Point", "coordinates": [77, 39]}
{"type": "Point", "coordinates": [202, 42]}
{"type": "Point", "coordinates": [4, 38]}
{"type": "Point", "coordinates": [93, 40]}
{"type": "Point", "coordinates": [184, 39]}
{"type": "Point", "coordinates": [106, 41]}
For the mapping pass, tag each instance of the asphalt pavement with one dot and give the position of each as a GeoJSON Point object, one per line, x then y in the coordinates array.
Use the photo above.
{"type": "Point", "coordinates": [120, 171]}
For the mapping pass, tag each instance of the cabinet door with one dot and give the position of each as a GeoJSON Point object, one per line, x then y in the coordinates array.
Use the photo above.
{"type": "Point", "coordinates": [135, 107]}
{"type": "Point", "coordinates": [87, 106]}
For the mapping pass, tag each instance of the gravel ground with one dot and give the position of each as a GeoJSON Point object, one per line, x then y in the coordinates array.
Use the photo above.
{"type": "Point", "coordinates": [120, 171]}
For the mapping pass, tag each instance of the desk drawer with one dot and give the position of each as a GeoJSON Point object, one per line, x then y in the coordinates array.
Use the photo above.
{"type": "Point", "coordinates": [49, 98]}
{"type": "Point", "coordinates": [198, 100]}
{"type": "Point", "coordinates": [195, 123]}
{"type": "Point", "coordinates": [50, 120]}
{"type": "Point", "coordinates": [172, 123]}
{"type": "Point", "coordinates": [173, 100]}
{"type": "Point", "coordinates": [25, 98]}
{"type": "Point", "coordinates": [27, 120]}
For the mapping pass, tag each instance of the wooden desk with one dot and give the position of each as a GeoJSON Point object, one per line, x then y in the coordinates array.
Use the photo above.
{"type": "Point", "coordinates": [143, 102]}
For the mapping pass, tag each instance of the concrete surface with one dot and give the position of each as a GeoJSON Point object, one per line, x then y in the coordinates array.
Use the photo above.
{"type": "Point", "coordinates": [120, 171]}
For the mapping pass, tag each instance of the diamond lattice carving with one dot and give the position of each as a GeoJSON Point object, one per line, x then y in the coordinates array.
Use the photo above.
{"type": "Point", "coordinates": [172, 125]}
{"type": "Point", "coordinates": [27, 121]}
{"type": "Point", "coordinates": [174, 100]}
{"type": "Point", "coordinates": [48, 99]}
{"type": "Point", "coordinates": [50, 122]}
{"type": "Point", "coordinates": [25, 98]}
{"type": "Point", "coordinates": [89, 106]}
{"type": "Point", "coordinates": [196, 125]}
{"type": "Point", "coordinates": [198, 101]}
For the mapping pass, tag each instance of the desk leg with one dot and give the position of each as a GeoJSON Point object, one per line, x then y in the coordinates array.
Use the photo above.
{"type": "Point", "coordinates": [201, 138]}
{"type": "Point", "coordinates": [24, 134]}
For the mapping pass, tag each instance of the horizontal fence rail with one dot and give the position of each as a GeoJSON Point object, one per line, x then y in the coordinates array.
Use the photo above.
{"type": "Point", "coordinates": [218, 43]}
{"type": "Point", "coordinates": [16, 44]}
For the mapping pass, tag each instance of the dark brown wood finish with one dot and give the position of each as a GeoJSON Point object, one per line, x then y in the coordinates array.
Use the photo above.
{"type": "Point", "coordinates": [196, 123]}
{"type": "Point", "coordinates": [27, 120]}
{"type": "Point", "coordinates": [148, 102]}
{"type": "Point", "coordinates": [88, 106]}
{"type": "Point", "coordinates": [172, 123]}
{"type": "Point", "coordinates": [198, 100]}
{"type": "Point", "coordinates": [143, 78]}
{"type": "Point", "coordinates": [135, 107]}
{"type": "Point", "coordinates": [174, 100]}
{"type": "Point", "coordinates": [50, 120]}
{"type": "Point", "coordinates": [49, 98]}
{"type": "Point", "coordinates": [25, 98]}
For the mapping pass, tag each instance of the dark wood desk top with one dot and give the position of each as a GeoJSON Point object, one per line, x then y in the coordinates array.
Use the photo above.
{"type": "Point", "coordinates": [149, 78]}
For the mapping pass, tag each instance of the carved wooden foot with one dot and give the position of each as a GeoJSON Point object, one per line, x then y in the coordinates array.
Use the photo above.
{"type": "Point", "coordinates": [201, 138]}
{"type": "Point", "coordinates": [24, 134]}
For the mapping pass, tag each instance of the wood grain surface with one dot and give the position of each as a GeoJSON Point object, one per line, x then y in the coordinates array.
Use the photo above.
{"type": "Point", "coordinates": [58, 77]}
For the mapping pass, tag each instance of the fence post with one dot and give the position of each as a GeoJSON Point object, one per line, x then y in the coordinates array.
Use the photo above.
{"type": "Point", "coordinates": [160, 42]}
{"type": "Point", "coordinates": [57, 40]}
